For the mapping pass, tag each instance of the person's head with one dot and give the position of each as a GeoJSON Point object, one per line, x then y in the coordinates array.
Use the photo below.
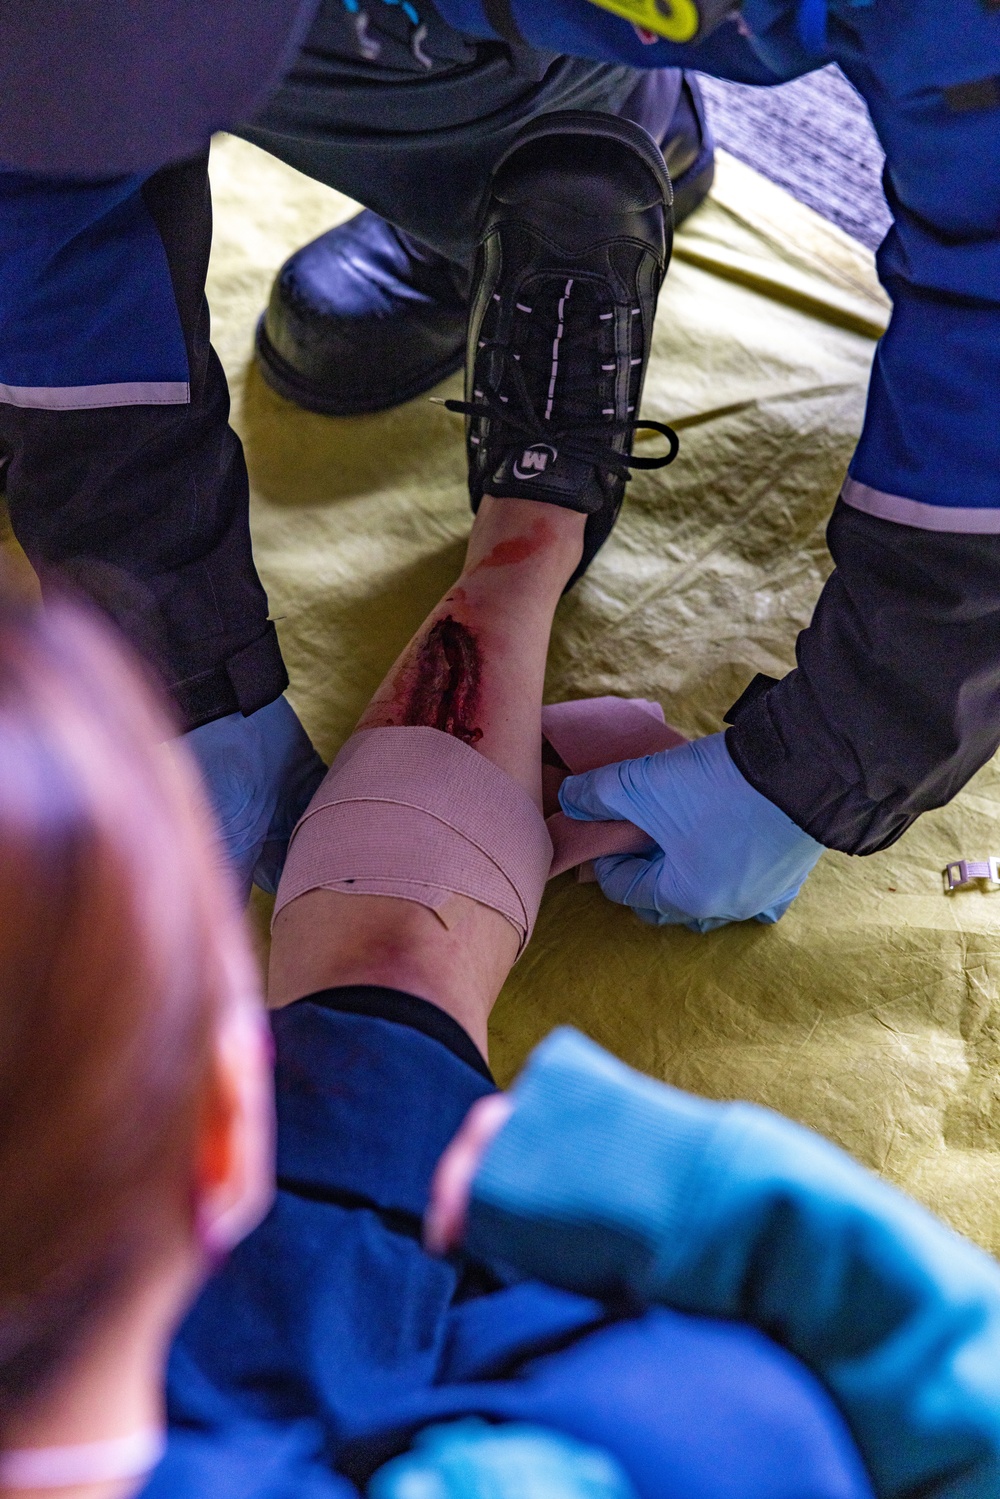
{"type": "Point", "coordinates": [135, 1103]}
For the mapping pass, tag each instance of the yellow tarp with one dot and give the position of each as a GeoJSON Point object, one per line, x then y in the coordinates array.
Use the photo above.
{"type": "Point", "coordinates": [871, 1011]}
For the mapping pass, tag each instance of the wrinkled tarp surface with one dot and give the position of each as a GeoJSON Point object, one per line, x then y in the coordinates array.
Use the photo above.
{"type": "Point", "coordinates": [871, 1011]}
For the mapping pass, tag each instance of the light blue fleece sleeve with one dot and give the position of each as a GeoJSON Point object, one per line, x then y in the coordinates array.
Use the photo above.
{"type": "Point", "coordinates": [471, 1460]}
{"type": "Point", "coordinates": [604, 1180]}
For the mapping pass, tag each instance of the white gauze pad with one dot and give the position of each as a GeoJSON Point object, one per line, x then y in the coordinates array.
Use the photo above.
{"type": "Point", "coordinates": [416, 814]}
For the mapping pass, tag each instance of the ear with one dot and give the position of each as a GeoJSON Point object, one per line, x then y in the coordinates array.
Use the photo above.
{"type": "Point", "coordinates": [234, 1167]}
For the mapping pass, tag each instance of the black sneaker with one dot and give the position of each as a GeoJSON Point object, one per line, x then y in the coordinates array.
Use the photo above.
{"type": "Point", "coordinates": [366, 316]}
{"type": "Point", "coordinates": [574, 246]}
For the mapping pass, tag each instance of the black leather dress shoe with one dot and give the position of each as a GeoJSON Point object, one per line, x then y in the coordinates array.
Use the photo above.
{"type": "Point", "coordinates": [574, 246]}
{"type": "Point", "coordinates": [365, 317]}
{"type": "Point", "coordinates": [362, 319]}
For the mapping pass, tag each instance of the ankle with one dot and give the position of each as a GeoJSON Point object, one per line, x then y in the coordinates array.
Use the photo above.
{"type": "Point", "coordinates": [515, 539]}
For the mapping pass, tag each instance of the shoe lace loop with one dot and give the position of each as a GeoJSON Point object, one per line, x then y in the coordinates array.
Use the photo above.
{"type": "Point", "coordinates": [572, 436]}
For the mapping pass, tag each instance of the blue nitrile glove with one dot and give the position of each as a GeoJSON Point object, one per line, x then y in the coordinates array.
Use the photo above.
{"type": "Point", "coordinates": [260, 772]}
{"type": "Point", "coordinates": [471, 1460]}
{"type": "Point", "coordinates": [725, 852]}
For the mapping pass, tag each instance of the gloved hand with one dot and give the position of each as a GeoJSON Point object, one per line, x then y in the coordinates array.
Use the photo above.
{"type": "Point", "coordinates": [260, 773]}
{"type": "Point", "coordinates": [725, 852]}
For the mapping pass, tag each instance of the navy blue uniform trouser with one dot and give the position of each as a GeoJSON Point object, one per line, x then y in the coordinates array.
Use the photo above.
{"type": "Point", "coordinates": [331, 1313]}
{"type": "Point", "coordinates": [123, 475]}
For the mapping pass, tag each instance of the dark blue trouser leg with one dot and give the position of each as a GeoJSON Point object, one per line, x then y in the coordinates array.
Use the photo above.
{"type": "Point", "coordinates": [429, 178]}
{"type": "Point", "coordinates": [123, 474]}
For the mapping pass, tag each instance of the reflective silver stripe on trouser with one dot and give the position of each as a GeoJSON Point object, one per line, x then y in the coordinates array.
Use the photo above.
{"type": "Point", "coordinates": [89, 397]}
{"type": "Point", "coordinates": [895, 507]}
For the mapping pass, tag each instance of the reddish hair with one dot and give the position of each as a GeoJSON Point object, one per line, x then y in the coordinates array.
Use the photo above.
{"type": "Point", "coordinates": [112, 972]}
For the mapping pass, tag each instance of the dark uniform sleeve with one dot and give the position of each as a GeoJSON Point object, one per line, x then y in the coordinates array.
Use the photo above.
{"type": "Point", "coordinates": [895, 701]}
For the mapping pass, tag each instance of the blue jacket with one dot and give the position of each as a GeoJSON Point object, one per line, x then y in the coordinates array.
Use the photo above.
{"type": "Point", "coordinates": [603, 1180]}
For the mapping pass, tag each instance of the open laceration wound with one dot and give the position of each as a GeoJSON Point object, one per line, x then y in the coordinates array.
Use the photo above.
{"type": "Point", "coordinates": [441, 686]}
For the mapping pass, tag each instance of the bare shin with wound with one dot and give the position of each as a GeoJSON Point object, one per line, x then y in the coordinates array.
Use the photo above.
{"type": "Point", "coordinates": [478, 661]}
{"type": "Point", "coordinates": [475, 672]}
{"type": "Point", "coordinates": [440, 686]}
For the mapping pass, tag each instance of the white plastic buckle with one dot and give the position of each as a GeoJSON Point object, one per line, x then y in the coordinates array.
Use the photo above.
{"type": "Point", "coordinates": [966, 871]}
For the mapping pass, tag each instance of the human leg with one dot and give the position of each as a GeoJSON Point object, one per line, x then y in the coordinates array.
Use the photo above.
{"type": "Point", "coordinates": [476, 670]}
{"type": "Point", "coordinates": [554, 388]}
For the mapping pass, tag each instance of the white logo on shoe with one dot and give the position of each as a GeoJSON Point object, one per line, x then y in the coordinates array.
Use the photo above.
{"type": "Point", "coordinates": [534, 461]}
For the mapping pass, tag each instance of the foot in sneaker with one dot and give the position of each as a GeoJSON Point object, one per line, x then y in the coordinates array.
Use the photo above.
{"type": "Point", "coordinates": [574, 246]}
{"type": "Point", "coordinates": [366, 316]}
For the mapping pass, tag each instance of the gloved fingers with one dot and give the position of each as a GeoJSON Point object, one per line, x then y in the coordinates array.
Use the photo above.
{"type": "Point", "coordinates": [777, 908]}
{"type": "Point", "coordinates": [260, 773]}
{"type": "Point", "coordinates": [301, 778]}
{"type": "Point", "coordinates": [284, 743]}
{"type": "Point", "coordinates": [300, 788]}
{"type": "Point", "coordinates": [725, 854]}
{"type": "Point", "coordinates": [300, 772]}
{"type": "Point", "coordinates": [631, 880]}
{"type": "Point", "coordinates": [229, 754]}
{"type": "Point", "coordinates": [703, 924]}
{"type": "Point", "coordinates": [597, 796]}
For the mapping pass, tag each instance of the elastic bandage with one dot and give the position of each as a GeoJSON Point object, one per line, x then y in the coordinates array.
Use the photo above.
{"type": "Point", "coordinates": [587, 733]}
{"type": "Point", "coordinates": [416, 814]}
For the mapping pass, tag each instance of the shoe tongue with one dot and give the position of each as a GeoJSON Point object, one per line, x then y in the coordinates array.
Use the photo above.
{"type": "Point", "coordinates": [555, 336]}
{"type": "Point", "coordinates": [539, 471]}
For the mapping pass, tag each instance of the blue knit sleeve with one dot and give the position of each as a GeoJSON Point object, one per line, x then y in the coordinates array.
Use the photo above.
{"type": "Point", "coordinates": [603, 1181]}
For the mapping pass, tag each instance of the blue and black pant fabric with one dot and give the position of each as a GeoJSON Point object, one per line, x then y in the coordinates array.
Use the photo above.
{"type": "Point", "coordinates": [123, 477]}
{"type": "Point", "coordinates": [122, 473]}
{"type": "Point", "coordinates": [331, 1337]}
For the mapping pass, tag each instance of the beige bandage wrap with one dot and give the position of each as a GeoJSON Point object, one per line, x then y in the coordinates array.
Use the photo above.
{"type": "Point", "coordinates": [416, 814]}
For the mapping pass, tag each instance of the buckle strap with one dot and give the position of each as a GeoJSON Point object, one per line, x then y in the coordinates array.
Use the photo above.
{"type": "Point", "coordinates": [966, 871]}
